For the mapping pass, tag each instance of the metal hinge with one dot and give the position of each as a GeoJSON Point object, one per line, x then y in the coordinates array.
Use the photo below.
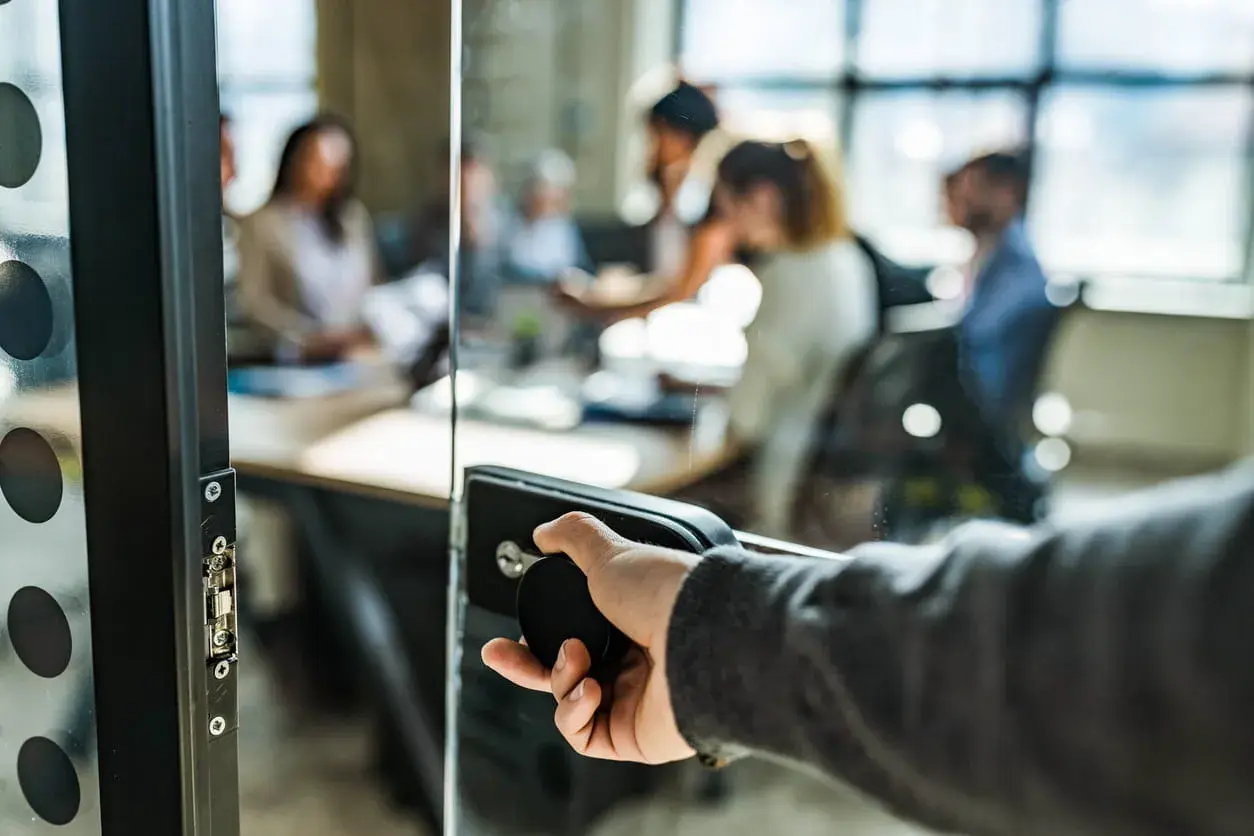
{"type": "Point", "coordinates": [221, 597]}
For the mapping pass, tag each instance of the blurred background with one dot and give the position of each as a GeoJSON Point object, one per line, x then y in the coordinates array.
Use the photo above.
{"type": "Point", "coordinates": [606, 289]}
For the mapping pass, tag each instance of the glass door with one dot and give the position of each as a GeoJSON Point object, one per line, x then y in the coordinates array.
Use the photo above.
{"type": "Point", "coordinates": [643, 333]}
{"type": "Point", "coordinates": [580, 384]}
{"type": "Point", "coordinates": [117, 528]}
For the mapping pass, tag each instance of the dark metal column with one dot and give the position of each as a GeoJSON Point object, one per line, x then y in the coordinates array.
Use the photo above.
{"type": "Point", "coordinates": [141, 125]}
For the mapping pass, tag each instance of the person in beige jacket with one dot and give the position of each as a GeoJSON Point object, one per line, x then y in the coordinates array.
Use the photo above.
{"type": "Point", "coordinates": [308, 257]}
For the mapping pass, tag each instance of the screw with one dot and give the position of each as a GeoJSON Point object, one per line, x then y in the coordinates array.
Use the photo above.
{"type": "Point", "coordinates": [512, 560]}
{"type": "Point", "coordinates": [222, 638]}
{"type": "Point", "coordinates": [217, 725]}
{"type": "Point", "coordinates": [217, 563]}
{"type": "Point", "coordinates": [213, 490]}
{"type": "Point", "coordinates": [219, 545]}
{"type": "Point", "coordinates": [222, 670]}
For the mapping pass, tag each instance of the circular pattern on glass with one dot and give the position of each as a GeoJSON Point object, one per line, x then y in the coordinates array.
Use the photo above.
{"type": "Point", "coordinates": [21, 139]}
{"type": "Point", "coordinates": [25, 311]}
{"type": "Point", "coordinates": [30, 475]}
{"type": "Point", "coordinates": [48, 781]}
{"type": "Point", "coordinates": [40, 632]}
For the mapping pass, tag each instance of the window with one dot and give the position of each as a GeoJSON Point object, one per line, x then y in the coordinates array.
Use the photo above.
{"type": "Point", "coordinates": [911, 38]}
{"type": "Point", "coordinates": [1143, 181]}
{"type": "Point", "coordinates": [266, 77]}
{"type": "Point", "coordinates": [903, 144]}
{"type": "Point", "coordinates": [798, 39]}
{"type": "Point", "coordinates": [1137, 113]}
{"type": "Point", "coordinates": [1158, 35]}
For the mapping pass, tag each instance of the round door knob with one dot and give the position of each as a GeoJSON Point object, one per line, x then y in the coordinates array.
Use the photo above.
{"type": "Point", "coordinates": [554, 605]}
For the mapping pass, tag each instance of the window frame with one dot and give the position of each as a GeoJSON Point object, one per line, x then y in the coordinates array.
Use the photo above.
{"type": "Point", "coordinates": [850, 85]}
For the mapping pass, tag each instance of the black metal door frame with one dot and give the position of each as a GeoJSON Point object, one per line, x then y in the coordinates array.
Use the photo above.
{"type": "Point", "coordinates": [141, 107]}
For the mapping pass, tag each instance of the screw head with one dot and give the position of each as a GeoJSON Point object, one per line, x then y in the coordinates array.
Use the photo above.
{"type": "Point", "coordinates": [217, 563]}
{"type": "Point", "coordinates": [219, 545]}
{"type": "Point", "coordinates": [222, 638]}
{"type": "Point", "coordinates": [222, 670]}
{"type": "Point", "coordinates": [217, 725]}
{"type": "Point", "coordinates": [509, 559]}
{"type": "Point", "coordinates": [213, 490]}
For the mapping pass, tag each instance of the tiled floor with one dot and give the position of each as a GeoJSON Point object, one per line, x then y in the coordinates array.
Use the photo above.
{"type": "Point", "coordinates": [307, 778]}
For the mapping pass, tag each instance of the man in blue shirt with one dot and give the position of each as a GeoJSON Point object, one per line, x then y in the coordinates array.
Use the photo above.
{"type": "Point", "coordinates": [1009, 320]}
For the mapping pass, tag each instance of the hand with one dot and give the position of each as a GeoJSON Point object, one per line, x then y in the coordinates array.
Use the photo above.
{"type": "Point", "coordinates": [329, 346]}
{"type": "Point", "coordinates": [635, 586]}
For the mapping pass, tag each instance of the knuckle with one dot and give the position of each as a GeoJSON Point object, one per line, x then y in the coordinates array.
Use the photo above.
{"type": "Point", "coordinates": [579, 520]}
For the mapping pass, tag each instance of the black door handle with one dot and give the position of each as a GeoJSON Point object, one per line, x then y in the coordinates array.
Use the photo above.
{"type": "Point", "coordinates": [554, 605]}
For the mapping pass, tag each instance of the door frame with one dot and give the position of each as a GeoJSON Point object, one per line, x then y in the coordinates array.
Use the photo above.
{"type": "Point", "coordinates": [141, 110]}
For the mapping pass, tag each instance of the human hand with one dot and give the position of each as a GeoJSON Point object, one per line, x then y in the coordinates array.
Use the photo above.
{"type": "Point", "coordinates": [635, 587]}
{"type": "Point", "coordinates": [332, 345]}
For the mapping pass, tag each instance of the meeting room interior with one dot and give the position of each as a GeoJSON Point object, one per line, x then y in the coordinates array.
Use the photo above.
{"type": "Point", "coordinates": [835, 271]}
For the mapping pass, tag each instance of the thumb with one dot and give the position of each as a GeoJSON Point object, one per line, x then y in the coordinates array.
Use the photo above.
{"type": "Point", "coordinates": [583, 538]}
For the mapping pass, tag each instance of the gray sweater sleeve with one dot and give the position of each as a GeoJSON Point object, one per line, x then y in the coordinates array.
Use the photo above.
{"type": "Point", "coordinates": [1086, 679]}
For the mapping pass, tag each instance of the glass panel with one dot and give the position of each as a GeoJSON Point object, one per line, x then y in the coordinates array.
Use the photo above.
{"type": "Point", "coordinates": [266, 78]}
{"type": "Point", "coordinates": [48, 773]}
{"type": "Point", "coordinates": [260, 123]}
{"type": "Point", "coordinates": [908, 38]}
{"type": "Point", "coordinates": [725, 39]}
{"type": "Point", "coordinates": [902, 147]}
{"type": "Point", "coordinates": [1161, 35]}
{"type": "Point", "coordinates": [1117, 169]}
{"type": "Point", "coordinates": [266, 42]}
{"type": "Point", "coordinates": [591, 349]}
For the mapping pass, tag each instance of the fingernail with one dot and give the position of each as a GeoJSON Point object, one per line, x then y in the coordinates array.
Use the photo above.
{"type": "Point", "coordinates": [561, 657]}
{"type": "Point", "coordinates": [577, 694]}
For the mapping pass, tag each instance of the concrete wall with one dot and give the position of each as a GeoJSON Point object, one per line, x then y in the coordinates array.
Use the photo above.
{"type": "Point", "coordinates": [557, 74]}
{"type": "Point", "coordinates": [385, 65]}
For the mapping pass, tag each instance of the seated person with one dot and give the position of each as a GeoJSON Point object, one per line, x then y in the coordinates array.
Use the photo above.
{"type": "Point", "coordinates": [818, 310]}
{"type": "Point", "coordinates": [682, 257]}
{"type": "Point", "coordinates": [238, 332]}
{"type": "Point", "coordinates": [1009, 320]}
{"type": "Point", "coordinates": [545, 243]}
{"type": "Point", "coordinates": [307, 258]}
{"type": "Point", "coordinates": [483, 225]}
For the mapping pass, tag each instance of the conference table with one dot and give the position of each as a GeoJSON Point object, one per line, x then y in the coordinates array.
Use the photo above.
{"type": "Point", "coordinates": [370, 442]}
{"type": "Point", "coordinates": [367, 479]}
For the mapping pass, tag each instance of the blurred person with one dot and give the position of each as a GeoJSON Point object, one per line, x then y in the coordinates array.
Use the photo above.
{"type": "Point", "coordinates": [230, 224]}
{"type": "Point", "coordinates": [680, 256]}
{"type": "Point", "coordinates": [307, 258]}
{"type": "Point", "coordinates": [484, 222]}
{"type": "Point", "coordinates": [1086, 678]}
{"type": "Point", "coordinates": [1009, 319]}
{"type": "Point", "coordinates": [818, 310]}
{"type": "Point", "coordinates": [243, 344]}
{"type": "Point", "coordinates": [546, 244]}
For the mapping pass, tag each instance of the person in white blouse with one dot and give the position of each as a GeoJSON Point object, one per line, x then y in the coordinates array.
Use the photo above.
{"type": "Point", "coordinates": [819, 308]}
{"type": "Point", "coordinates": [308, 257]}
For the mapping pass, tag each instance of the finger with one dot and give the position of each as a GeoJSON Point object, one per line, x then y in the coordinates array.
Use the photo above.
{"type": "Point", "coordinates": [585, 539]}
{"type": "Point", "coordinates": [578, 721]}
{"type": "Point", "coordinates": [516, 663]}
{"type": "Point", "coordinates": [629, 690]}
{"type": "Point", "coordinates": [573, 663]}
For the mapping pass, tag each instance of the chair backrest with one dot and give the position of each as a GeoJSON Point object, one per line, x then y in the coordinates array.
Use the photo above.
{"type": "Point", "coordinates": [896, 284]}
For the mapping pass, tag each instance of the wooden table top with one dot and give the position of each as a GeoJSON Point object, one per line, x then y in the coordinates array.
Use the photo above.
{"type": "Point", "coordinates": [369, 441]}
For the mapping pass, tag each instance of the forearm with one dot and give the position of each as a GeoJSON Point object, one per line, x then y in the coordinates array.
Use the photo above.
{"type": "Point", "coordinates": [1087, 680]}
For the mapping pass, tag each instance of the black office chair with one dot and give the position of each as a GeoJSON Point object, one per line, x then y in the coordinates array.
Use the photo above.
{"type": "Point", "coordinates": [906, 420]}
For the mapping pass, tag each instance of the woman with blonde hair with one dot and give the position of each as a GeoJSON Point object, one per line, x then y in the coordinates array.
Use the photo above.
{"type": "Point", "coordinates": [785, 202]}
